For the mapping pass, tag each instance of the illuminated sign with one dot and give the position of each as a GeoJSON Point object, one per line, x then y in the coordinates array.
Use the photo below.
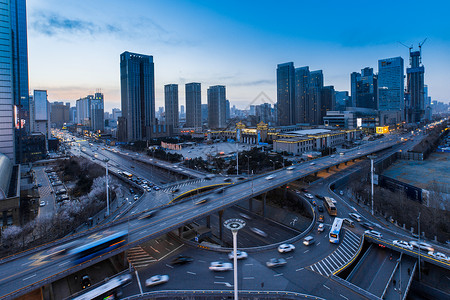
{"type": "Point", "coordinates": [382, 129]}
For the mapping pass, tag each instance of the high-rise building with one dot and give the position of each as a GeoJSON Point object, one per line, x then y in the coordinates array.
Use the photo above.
{"type": "Point", "coordinates": [353, 77]}
{"type": "Point", "coordinates": [41, 113]}
{"type": "Point", "coordinates": [285, 93]}
{"type": "Point", "coordinates": [415, 87]}
{"type": "Point", "coordinates": [204, 113]}
{"type": "Point", "coordinates": [364, 88]}
{"type": "Point", "coordinates": [73, 114]}
{"type": "Point", "coordinates": [327, 101]}
{"type": "Point", "coordinates": [59, 113]}
{"type": "Point", "coordinates": [391, 84]}
{"type": "Point", "coordinates": [301, 94]}
{"type": "Point", "coordinates": [264, 113]}
{"type": "Point", "coordinates": [137, 83]}
{"type": "Point", "coordinates": [7, 102]}
{"type": "Point", "coordinates": [193, 105]}
{"type": "Point", "coordinates": [84, 110]}
{"type": "Point", "coordinates": [216, 106]}
{"type": "Point", "coordinates": [342, 100]}
{"type": "Point", "coordinates": [227, 110]}
{"type": "Point", "coordinates": [97, 121]}
{"type": "Point", "coordinates": [171, 105]}
{"type": "Point", "coordinates": [314, 103]}
{"type": "Point", "coordinates": [116, 113]}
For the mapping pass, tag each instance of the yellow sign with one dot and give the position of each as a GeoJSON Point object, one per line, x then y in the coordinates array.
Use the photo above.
{"type": "Point", "coordinates": [382, 129]}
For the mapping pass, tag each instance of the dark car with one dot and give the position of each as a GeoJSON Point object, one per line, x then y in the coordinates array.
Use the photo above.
{"type": "Point", "coordinates": [320, 208]}
{"type": "Point", "coordinates": [220, 190]}
{"type": "Point", "coordinates": [85, 281]}
{"type": "Point", "coordinates": [181, 260]}
{"type": "Point", "coordinates": [304, 190]}
{"type": "Point", "coordinates": [320, 218]}
{"type": "Point", "coordinates": [367, 225]}
{"type": "Point", "coordinates": [320, 197]}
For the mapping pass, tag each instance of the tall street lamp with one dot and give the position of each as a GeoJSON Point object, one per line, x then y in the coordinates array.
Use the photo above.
{"type": "Point", "coordinates": [234, 225]}
{"type": "Point", "coordinates": [371, 157]}
{"type": "Point", "coordinates": [107, 187]}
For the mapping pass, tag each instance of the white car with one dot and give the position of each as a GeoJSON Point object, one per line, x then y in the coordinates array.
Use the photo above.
{"type": "Point", "coordinates": [320, 228]}
{"type": "Point", "coordinates": [309, 196]}
{"type": "Point", "coordinates": [312, 164]}
{"type": "Point", "coordinates": [333, 200]}
{"type": "Point", "coordinates": [403, 244]}
{"type": "Point", "coordinates": [276, 262]}
{"type": "Point", "coordinates": [270, 177]}
{"type": "Point", "coordinates": [290, 168]}
{"type": "Point", "coordinates": [355, 217]}
{"type": "Point", "coordinates": [220, 266]}
{"type": "Point", "coordinates": [258, 231]}
{"type": "Point", "coordinates": [283, 248]}
{"type": "Point", "coordinates": [240, 254]}
{"type": "Point", "coordinates": [438, 255]}
{"type": "Point", "coordinates": [422, 246]}
{"type": "Point", "coordinates": [157, 279]}
{"type": "Point", "coordinates": [373, 233]}
{"type": "Point", "coordinates": [42, 203]}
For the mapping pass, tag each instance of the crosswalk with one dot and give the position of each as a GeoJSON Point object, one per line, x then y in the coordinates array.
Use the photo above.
{"type": "Point", "coordinates": [171, 188]}
{"type": "Point", "coordinates": [347, 249]}
{"type": "Point", "coordinates": [139, 258]}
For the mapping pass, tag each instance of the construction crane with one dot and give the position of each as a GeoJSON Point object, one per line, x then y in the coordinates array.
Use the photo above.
{"type": "Point", "coordinates": [420, 50]}
{"type": "Point", "coordinates": [410, 47]}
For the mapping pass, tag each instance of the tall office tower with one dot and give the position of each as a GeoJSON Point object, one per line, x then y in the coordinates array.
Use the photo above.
{"type": "Point", "coordinates": [7, 134]}
{"type": "Point", "coordinates": [364, 88]}
{"type": "Point", "coordinates": [314, 103]}
{"type": "Point", "coordinates": [227, 110]}
{"type": "Point", "coordinates": [59, 113]}
{"type": "Point", "coordinates": [415, 87]}
{"type": "Point", "coordinates": [264, 113]}
{"type": "Point", "coordinates": [193, 105]}
{"type": "Point", "coordinates": [328, 101]}
{"type": "Point", "coordinates": [97, 113]}
{"type": "Point", "coordinates": [428, 111]}
{"type": "Point", "coordinates": [301, 94]}
{"type": "Point", "coordinates": [391, 84]}
{"type": "Point", "coordinates": [137, 83]}
{"type": "Point", "coordinates": [353, 77]}
{"type": "Point", "coordinates": [73, 114]}
{"type": "Point", "coordinates": [171, 105]}
{"type": "Point", "coordinates": [116, 113]}
{"type": "Point", "coordinates": [84, 110]}
{"type": "Point", "coordinates": [204, 113]}
{"type": "Point", "coordinates": [41, 113]}
{"type": "Point", "coordinates": [285, 93]}
{"type": "Point", "coordinates": [216, 106]}
{"type": "Point", "coordinates": [342, 100]}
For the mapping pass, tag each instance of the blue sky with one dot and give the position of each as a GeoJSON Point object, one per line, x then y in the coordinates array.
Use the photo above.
{"type": "Point", "coordinates": [74, 46]}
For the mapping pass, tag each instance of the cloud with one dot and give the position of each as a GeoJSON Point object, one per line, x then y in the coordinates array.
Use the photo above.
{"type": "Point", "coordinates": [52, 24]}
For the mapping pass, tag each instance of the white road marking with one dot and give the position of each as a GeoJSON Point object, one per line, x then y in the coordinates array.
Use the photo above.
{"type": "Point", "coordinates": [299, 269]}
{"type": "Point", "coordinates": [202, 261]}
{"type": "Point", "coordinates": [64, 263]}
{"type": "Point", "coordinates": [249, 277]}
{"type": "Point", "coordinates": [249, 264]}
{"type": "Point", "coordinates": [169, 266]}
{"type": "Point", "coordinates": [306, 251]}
{"type": "Point", "coordinates": [280, 274]}
{"type": "Point", "coordinates": [27, 263]}
{"type": "Point", "coordinates": [225, 283]}
{"type": "Point", "coordinates": [289, 257]}
{"type": "Point", "coordinates": [343, 296]}
{"type": "Point", "coordinates": [220, 277]}
{"type": "Point", "coordinates": [318, 244]}
{"type": "Point", "coordinates": [191, 273]}
{"type": "Point", "coordinates": [326, 286]}
{"type": "Point", "coordinates": [28, 277]}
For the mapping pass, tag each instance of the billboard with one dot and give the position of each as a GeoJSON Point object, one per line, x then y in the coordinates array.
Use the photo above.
{"type": "Point", "coordinates": [382, 129]}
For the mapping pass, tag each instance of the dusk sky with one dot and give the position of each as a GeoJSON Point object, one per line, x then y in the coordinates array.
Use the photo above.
{"type": "Point", "coordinates": [74, 46]}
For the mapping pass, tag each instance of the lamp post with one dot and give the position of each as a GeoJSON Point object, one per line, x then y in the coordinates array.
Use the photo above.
{"type": "Point", "coordinates": [418, 222]}
{"type": "Point", "coordinates": [237, 158]}
{"type": "Point", "coordinates": [234, 225]}
{"type": "Point", "coordinates": [371, 157]}
{"type": "Point", "coordinates": [107, 187]}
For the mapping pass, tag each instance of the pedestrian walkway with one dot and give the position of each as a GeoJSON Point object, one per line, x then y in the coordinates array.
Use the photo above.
{"type": "Point", "coordinates": [347, 249]}
{"type": "Point", "coordinates": [139, 258]}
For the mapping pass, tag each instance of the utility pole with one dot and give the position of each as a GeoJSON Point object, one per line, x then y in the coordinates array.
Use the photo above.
{"type": "Point", "coordinates": [371, 157]}
{"type": "Point", "coordinates": [237, 158]}
{"type": "Point", "coordinates": [418, 221]}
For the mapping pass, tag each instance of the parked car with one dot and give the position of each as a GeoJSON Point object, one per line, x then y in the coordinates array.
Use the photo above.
{"type": "Point", "coordinates": [355, 217]}
{"type": "Point", "coordinates": [258, 231]}
{"type": "Point", "coordinates": [157, 279]}
{"type": "Point", "coordinates": [403, 244]}
{"type": "Point", "coordinates": [276, 262]}
{"type": "Point", "coordinates": [373, 233]}
{"type": "Point", "coordinates": [239, 254]}
{"type": "Point", "coordinates": [180, 260]}
{"type": "Point", "coordinates": [284, 248]}
{"type": "Point", "coordinates": [422, 246]}
{"type": "Point", "coordinates": [220, 266]}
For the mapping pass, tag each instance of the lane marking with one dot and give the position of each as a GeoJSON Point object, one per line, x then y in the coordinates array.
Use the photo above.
{"type": "Point", "coordinates": [343, 296]}
{"type": "Point", "coordinates": [189, 272]}
{"type": "Point", "coordinates": [26, 263]}
{"type": "Point", "coordinates": [225, 283]}
{"type": "Point", "coordinates": [64, 263]}
{"type": "Point", "coordinates": [220, 277]}
{"type": "Point", "coordinates": [169, 266]}
{"type": "Point", "coordinates": [280, 274]}
{"type": "Point", "coordinates": [289, 257]}
{"type": "Point", "coordinates": [306, 251]}
{"type": "Point", "coordinates": [326, 286]}
{"type": "Point", "coordinates": [299, 269]}
{"type": "Point", "coordinates": [29, 277]}
{"type": "Point", "coordinates": [249, 277]}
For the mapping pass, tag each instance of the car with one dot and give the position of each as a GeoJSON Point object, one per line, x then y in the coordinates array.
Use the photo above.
{"type": "Point", "coordinates": [312, 164]}
{"type": "Point", "coordinates": [320, 197]}
{"type": "Point", "coordinates": [174, 190]}
{"type": "Point", "coordinates": [341, 193]}
{"type": "Point", "coordinates": [135, 197]}
{"type": "Point", "coordinates": [308, 195]}
{"type": "Point", "coordinates": [156, 188]}
{"type": "Point", "coordinates": [438, 255]}
{"type": "Point", "coordinates": [270, 177]}
{"type": "Point", "coordinates": [290, 168]}
{"type": "Point", "coordinates": [349, 222]}
{"type": "Point", "coordinates": [245, 216]}
{"type": "Point", "coordinates": [258, 231]}
{"type": "Point", "coordinates": [373, 233]}
{"type": "Point", "coordinates": [148, 214]}
{"type": "Point", "coordinates": [42, 203]}
{"type": "Point", "coordinates": [367, 225]}
{"type": "Point", "coordinates": [39, 185]}
{"type": "Point", "coordinates": [309, 240]}
{"type": "Point", "coordinates": [219, 191]}
{"type": "Point", "coordinates": [181, 260]}
{"type": "Point", "coordinates": [304, 190]}
{"type": "Point", "coordinates": [333, 200]}
{"type": "Point", "coordinates": [284, 248]}
{"type": "Point", "coordinates": [201, 201]}
{"type": "Point", "coordinates": [228, 180]}
{"type": "Point", "coordinates": [241, 178]}
{"type": "Point", "coordinates": [240, 254]}
{"type": "Point", "coordinates": [220, 266]}
{"type": "Point", "coordinates": [403, 244]}
{"type": "Point", "coordinates": [320, 219]}
{"type": "Point", "coordinates": [355, 217]}
{"type": "Point", "coordinates": [321, 228]}
{"type": "Point", "coordinates": [131, 191]}
{"type": "Point", "coordinates": [157, 279]}
{"type": "Point", "coordinates": [320, 208]}
{"type": "Point", "coordinates": [85, 281]}
{"type": "Point", "coordinates": [276, 262]}
{"type": "Point", "coordinates": [422, 246]}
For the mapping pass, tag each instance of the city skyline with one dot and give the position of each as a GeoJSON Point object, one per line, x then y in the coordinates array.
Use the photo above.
{"type": "Point", "coordinates": [242, 54]}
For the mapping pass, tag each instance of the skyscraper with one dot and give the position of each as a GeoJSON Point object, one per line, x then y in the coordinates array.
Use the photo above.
{"type": "Point", "coordinates": [193, 105]}
{"type": "Point", "coordinates": [7, 140]}
{"type": "Point", "coordinates": [171, 105]}
{"type": "Point", "coordinates": [97, 113]}
{"type": "Point", "coordinates": [391, 84]}
{"type": "Point", "coordinates": [415, 87]}
{"type": "Point", "coordinates": [301, 94]}
{"type": "Point", "coordinates": [327, 101]}
{"type": "Point", "coordinates": [364, 89]}
{"type": "Point", "coordinates": [137, 83]}
{"type": "Point", "coordinates": [285, 93]}
{"type": "Point", "coordinates": [216, 106]}
{"type": "Point", "coordinates": [314, 103]}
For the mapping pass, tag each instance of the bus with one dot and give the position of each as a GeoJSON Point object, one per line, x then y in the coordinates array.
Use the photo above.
{"type": "Point", "coordinates": [109, 290]}
{"type": "Point", "coordinates": [98, 247]}
{"type": "Point", "coordinates": [329, 205]}
{"type": "Point", "coordinates": [335, 230]}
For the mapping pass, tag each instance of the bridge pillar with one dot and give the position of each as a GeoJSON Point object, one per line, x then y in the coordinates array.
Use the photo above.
{"type": "Point", "coordinates": [208, 222]}
{"type": "Point", "coordinates": [337, 166]}
{"type": "Point", "coordinates": [250, 204]}
{"type": "Point", "coordinates": [315, 174]}
{"type": "Point", "coordinates": [180, 231]}
{"type": "Point", "coordinates": [328, 170]}
{"type": "Point", "coordinates": [220, 225]}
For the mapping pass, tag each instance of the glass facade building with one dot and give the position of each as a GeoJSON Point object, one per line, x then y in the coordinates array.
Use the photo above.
{"type": "Point", "coordinates": [391, 84]}
{"type": "Point", "coordinates": [171, 104]}
{"type": "Point", "coordinates": [193, 105]}
{"type": "Point", "coordinates": [216, 107]}
{"type": "Point", "coordinates": [285, 93]}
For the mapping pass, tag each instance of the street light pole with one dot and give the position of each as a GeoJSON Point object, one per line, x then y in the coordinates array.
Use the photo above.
{"type": "Point", "coordinates": [234, 225]}
{"type": "Point", "coordinates": [237, 158]}
{"type": "Point", "coordinates": [107, 188]}
{"type": "Point", "coordinates": [371, 157]}
{"type": "Point", "coordinates": [418, 221]}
